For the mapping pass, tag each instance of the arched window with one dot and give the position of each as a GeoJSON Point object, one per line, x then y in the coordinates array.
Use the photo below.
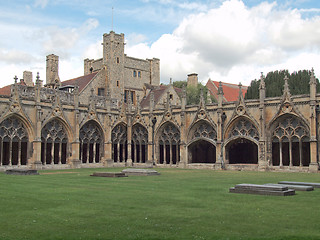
{"type": "Point", "coordinates": [139, 144]}
{"type": "Point", "coordinates": [119, 143]}
{"type": "Point", "coordinates": [202, 150]}
{"type": "Point", "coordinates": [13, 142]}
{"type": "Point", "coordinates": [290, 143]}
{"type": "Point", "coordinates": [54, 142]}
{"type": "Point", "coordinates": [169, 140]}
{"type": "Point", "coordinates": [91, 143]}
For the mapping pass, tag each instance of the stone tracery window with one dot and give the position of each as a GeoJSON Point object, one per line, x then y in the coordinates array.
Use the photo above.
{"type": "Point", "coordinates": [204, 130]}
{"type": "Point", "coordinates": [91, 142]}
{"type": "Point", "coordinates": [54, 142]}
{"type": "Point", "coordinates": [244, 127]}
{"type": "Point", "coordinates": [169, 140]}
{"type": "Point", "coordinates": [290, 143]}
{"type": "Point", "coordinates": [119, 143]}
{"type": "Point", "coordinates": [13, 142]}
{"type": "Point", "coordinates": [139, 143]}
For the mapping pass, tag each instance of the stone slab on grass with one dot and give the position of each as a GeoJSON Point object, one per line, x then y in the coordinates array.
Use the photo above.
{"type": "Point", "coordinates": [262, 190]}
{"type": "Point", "coordinates": [140, 172]}
{"type": "Point", "coordinates": [22, 172]}
{"type": "Point", "coordinates": [295, 187]}
{"type": "Point", "coordinates": [316, 185]}
{"type": "Point", "coordinates": [108, 174]}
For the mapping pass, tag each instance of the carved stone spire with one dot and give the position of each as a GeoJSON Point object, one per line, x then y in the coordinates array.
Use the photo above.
{"type": "Point", "coordinates": [220, 94]}
{"type": "Point", "coordinates": [183, 98]}
{"type": "Point", "coordinates": [209, 97]}
{"type": "Point", "coordinates": [262, 88]}
{"type": "Point", "coordinates": [313, 86]}
{"type": "Point", "coordinates": [202, 103]}
{"type": "Point", "coordinates": [286, 90]}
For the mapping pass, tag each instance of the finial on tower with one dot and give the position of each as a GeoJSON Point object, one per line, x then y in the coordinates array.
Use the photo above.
{"type": "Point", "coordinates": [15, 79]}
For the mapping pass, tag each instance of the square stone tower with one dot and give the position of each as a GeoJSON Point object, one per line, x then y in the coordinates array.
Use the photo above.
{"type": "Point", "coordinates": [113, 60]}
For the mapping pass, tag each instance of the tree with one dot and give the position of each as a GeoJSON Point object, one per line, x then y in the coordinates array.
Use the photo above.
{"type": "Point", "coordinates": [193, 93]}
{"type": "Point", "coordinates": [274, 81]}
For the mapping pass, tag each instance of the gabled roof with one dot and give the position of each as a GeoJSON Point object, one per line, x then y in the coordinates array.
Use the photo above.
{"type": "Point", "coordinates": [230, 91]}
{"type": "Point", "coordinates": [81, 82]}
{"type": "Point", "coordinates": [158, 92]}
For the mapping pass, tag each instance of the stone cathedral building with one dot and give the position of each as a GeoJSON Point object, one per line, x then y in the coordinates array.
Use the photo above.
{"type": "Point", "coordinates": [118, 114]}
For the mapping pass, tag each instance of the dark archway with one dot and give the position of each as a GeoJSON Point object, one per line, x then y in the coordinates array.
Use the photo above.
{"type": "Point", "coordinates": [290, 142]}
{"type": "Point", "coordinates": [13, 142]}
{"type": "Point", "coordinates": [91, 143]}
{"type": "Point", "coordinates": [169, 144]}
{"type": "Point", "coordinates": [54, 141]}
{"type": "Point", "coordinates": [139, 149]}
{"type": "Point", "coordinates": [119, 143]}
{"type": "Point", "coordinates": [202, 151]}
{"type": "Point", "coordinates": [242, 151]}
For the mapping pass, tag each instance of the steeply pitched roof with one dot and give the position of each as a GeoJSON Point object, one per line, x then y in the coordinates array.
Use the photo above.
{"type": "Point", "coordinates": [81, 82]}
{"type": "Point", "coordinates": [230, 91]}
{"type": "Point", "coordinates": [158, 92]}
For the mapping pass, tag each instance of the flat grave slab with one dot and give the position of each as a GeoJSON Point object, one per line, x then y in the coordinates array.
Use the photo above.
{"type": "Point", "coordinates": [108, 174]}
{"type": "Point", "coordinates": [316, 185]}
{"type": "Point", "coordinates": [295, 187]}
{"type": "Point", "coordinates": [140, 172]}
{"type": "Point", "coordinates": [262, 189]}
{"type": "Point", "coordinates": [22, 172]}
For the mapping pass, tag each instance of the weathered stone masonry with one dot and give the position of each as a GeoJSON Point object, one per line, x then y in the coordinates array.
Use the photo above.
{"type": "Point", "coordinates": [47, 128]}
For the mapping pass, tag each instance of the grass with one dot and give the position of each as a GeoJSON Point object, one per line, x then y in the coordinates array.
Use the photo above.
{"type": "Point", "coordinates": [178, 204]}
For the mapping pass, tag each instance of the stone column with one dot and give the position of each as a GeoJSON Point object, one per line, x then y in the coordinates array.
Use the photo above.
{"type": "Point", "coordinates": [45, 152]}
{"type": "Point", "coordinates": [52, 152]}
{"type": "Point", "coordinates": [280, 152]}
{"type": "Point", "coordinates": [19, 152]}
{"type": "Point", "coordinates": [10, 152]}
{"type": "Point", "coordinates": [1, 152]}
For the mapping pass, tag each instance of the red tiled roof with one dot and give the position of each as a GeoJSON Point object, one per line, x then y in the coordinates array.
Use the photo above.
{"type": "Point", "coordinates": [82, 81]}
{"type": "Point", "coordinates": [230, 91]}
{"type": "Point", "coordinates": [6, 90]}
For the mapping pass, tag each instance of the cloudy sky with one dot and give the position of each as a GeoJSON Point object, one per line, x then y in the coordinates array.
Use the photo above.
{"type": "Point", "coordinates": [231, 41]}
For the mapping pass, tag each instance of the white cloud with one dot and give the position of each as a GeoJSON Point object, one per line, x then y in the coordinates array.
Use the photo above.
{"type": "Point", "coordinates": [234, 43]}
{"type": "Point", "coordinates": [41, 3]}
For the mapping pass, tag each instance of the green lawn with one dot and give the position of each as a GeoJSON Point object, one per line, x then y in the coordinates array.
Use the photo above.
{"type": "Point", "coordinates": [178, 204]}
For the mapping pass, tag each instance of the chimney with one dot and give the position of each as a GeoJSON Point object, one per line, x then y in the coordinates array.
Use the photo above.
{"type": "Point", "coordinates": [27, 78]}
{"type": "Point", "coordinates": [192, 80]}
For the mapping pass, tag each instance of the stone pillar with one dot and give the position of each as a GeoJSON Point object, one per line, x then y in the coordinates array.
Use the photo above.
{"type": "Point", "coordinates": [129, 140]}
{"type": "Point", "coordinates": [314, 154]}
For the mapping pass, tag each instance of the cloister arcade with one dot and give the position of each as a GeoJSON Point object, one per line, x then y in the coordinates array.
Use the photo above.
{"type": "Point", "coordinates": [91, 143]}
{"type": "Point", "coordinates": [242, 142]}
{"type": "Point", "coordinates": [54, 143]}
{"type": "Point", "coordinates": [290, 142]}
{"type": "Point", "coordinates": [168, 144]}
{"type": "Point", "coordinates": [13, 142]}
{"type": "Point", "coordinates": [202, 143]}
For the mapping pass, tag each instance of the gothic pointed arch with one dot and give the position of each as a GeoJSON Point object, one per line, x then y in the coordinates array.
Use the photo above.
{"type": "Point", "coordinates": [91, 142]}
{"type": "Point", "coordinates": [54, 142]}
{"type": "Point", "coordinates": [290, 139]}
{"type": "Point", "coordinates": [119, 142]}
{"type": "Point", "coordinates": [202, 139]}
{"type": "Point", "coordinates": [14, 140]}
{"type": "Point", "coordinates": [139, 143]}
{"type": "Point", "coordinates": [168, 142]}
{"type": "Point", "coordinates": [242, 139]}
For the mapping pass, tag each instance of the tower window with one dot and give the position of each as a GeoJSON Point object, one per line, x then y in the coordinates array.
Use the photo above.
{"type": "Point", "coordinates": [171, 96]}
{"type": "Point", "coordinates": [100, 91]}
{"type": "Point", "coordinates": [118, 60]}
{"type": "Point", "coordinates": [117, 83]}
{"type": "Point", "coordinates": [139, 74]}
{"type": "Point", "coordinates": [134, 73]}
